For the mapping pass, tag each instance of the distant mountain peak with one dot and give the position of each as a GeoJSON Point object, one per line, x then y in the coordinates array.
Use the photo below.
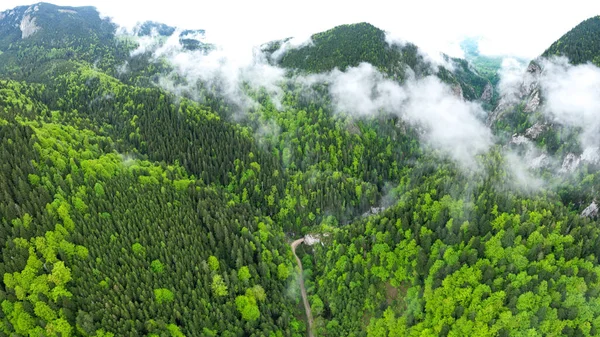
{"type": "Point", "coordinates": [347, 46]}
{"type": "Point", "coordinates": [26, 22]}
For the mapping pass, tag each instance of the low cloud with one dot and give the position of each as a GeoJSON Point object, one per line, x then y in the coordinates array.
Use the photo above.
{"type": "Point", "coordinates": [521, 171]}
{"type": "Point", "coordinates": [430, 53]}
{"type": "Point", "coordinates": [290, 44]}
{"type": "Point", "coordinates": [513, 75]}
{"type": "Point", "coordinates": [363, 91]}
{"type": "Point", "coordinates": [572, 97]}
{"type": "Point", "coordinates": [223, 70]}
{"type": "Point", "coordinates": [523, 161]}
{"type": "Point", "coordinates": [452, 124]}
{"type": "Point", "coordinates": [570, 93]}
{"type": "Point", "coordinates": [145, 44]}
{"type": "Point", "coordinates": [448, 123]}
{"type": "Point", "coordinates": [267, 133]}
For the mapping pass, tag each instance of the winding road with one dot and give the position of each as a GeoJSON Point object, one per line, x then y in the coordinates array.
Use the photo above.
{"type": "Point", "coordinates": [309, 317]}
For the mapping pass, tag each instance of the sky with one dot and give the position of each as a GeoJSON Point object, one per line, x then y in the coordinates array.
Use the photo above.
{"type": "Point", "coordinates": [523, 28]}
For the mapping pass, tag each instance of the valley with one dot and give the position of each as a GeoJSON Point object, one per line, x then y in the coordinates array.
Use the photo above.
{"type": "Point", "coordinates": [152, 183]}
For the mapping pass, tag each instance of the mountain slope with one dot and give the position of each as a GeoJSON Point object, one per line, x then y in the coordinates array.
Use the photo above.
{"type": "Point", "coordinates": [581, 44]}
{"type": "Point", "coordinates": [126, 210]}
{"type": "Point", "coordinates": [527, 122]}
{"type": "Point", "coordinates": [349, 45]}
{"type": "Point", "coordinates": [77, 151]}
{"type": "Point", "coordinates": [47, 25]}
{"type": "Point", "coordinates": [31, 36]}
{"type": "Point", "coordinates": [180, 195]}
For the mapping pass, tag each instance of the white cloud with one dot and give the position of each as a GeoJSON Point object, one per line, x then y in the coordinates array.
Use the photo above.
{"type": "Point", "coordinates": [362, 91]}
{"type": "Point", "coordinates": [225, 69]}
{"type": "Point", "coordinates": [448, 123]}
{"type": "Point", "coordinates": [512, 76]}
{"type": "Point", "coordinates": [292, 43]}
{"type": "Point", "coordinates": [520, 168]}
{"type": "Point", "coordinates": [430, 53]}
{"type": "Point", "coordinates": [572, 97]}
{"type": "Point", "coordinates": [452, 124]}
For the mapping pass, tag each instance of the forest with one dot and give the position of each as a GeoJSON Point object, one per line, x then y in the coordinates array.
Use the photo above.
{"type": "Point", "coordinates": [580, 44]}
{"type": "Point", "coordinates": [127, 209]}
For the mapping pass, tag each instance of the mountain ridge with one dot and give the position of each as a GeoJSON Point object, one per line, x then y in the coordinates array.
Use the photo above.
{"type": "Point", "coordinates": [580, 44]}
{"type": "Point", "coordinates": [127, 209]}
{"type": "Point", "coordinates": [349, 45]}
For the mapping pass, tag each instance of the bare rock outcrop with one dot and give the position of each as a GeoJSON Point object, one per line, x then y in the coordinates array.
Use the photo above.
{"type": "Point", "coordinates": [488, 93]}
{"type": "Point", "coordinates": [534, 131]}
{"type": "Point", "coordinates": [591, 211]}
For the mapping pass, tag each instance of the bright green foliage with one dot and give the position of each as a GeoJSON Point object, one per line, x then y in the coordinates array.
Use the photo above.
{"type": "Point", "coordinates": [138, 249]}
{"type": "Point", "coordinates": [219, 287]}
{"type": "Point", "coordinates": [283, 271]}
{"type": "Point", "coordinates": [213, 263]}
{"type": "Point", "coordinates": [175, 331]}
{"type": "Point", "coordinates": [99, 189]}
{"type": "Point", "coordinates": [317, 305]}
{"type": "Point", "coordinates": [60, 274]}
{"type": "Point", "coordinates": [257, 292]}
{"type": "Point", "coordinates": [436, 275]}
{"type": "Point", "coordinates": [163, 295]}
{"type": "Point", "coordinates": [78, 171]}
{"type": "Point", "coordinates": [93, 166]}
{"type": "Point", "coordinates": [247, 307]}
{"type": "Point", "coordinates": [244, 274]}
{"type": "Point", "coordinates": [157, 266]}
{"type": "Point", "coordinates": [102, 333]}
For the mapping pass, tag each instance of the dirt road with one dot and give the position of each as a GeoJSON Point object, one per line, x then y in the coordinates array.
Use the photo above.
{"type": "Point", "coordinates": [309, 317]}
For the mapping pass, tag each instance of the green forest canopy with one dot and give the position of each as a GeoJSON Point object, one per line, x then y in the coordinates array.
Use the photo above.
{"type": "Point", "coordinates": [125, 210]}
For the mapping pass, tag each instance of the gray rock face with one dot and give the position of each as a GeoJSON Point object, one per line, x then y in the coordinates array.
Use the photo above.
{"type": "Point", "coordinates": [502, 107]}
{"type": "Point", "coordinates": [540, 161]}
{"type": "Point", "coordinates": [590, 155]}
{"type": "Point", "coordinates": [457, 90]}
{"type": "Point", "coordinates": [528, 91]}
{"type": "Point", "coordinates": [534, 131]}
{"type": "Point", "coordinates": [570, 163]}
{"type": "Point", "coordinates": [488, 93]}
{"type": "Point", "coordinates": [591, 211]}
{"type": "Point", "coordinates": [531, 80]}
{"type": "Point", "coordinates": [534, 101]}
{"type": "Point", "coordinates": [28, 26]}
{"type": "Point", "coordinates": [518, 140]}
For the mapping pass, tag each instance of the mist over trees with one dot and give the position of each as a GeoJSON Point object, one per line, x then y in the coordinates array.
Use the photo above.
{"type": "Point", "coordinates": [146, 190]}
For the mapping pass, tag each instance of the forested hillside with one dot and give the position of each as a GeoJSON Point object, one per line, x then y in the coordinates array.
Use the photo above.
{"type": "Point", "coordinates": [128, 209]}
{"type": "Point", "coordinates": [581, 44]}
{"type": "Point", "coordinates": [41, 37]}
{"type": "Point", "coordinates": [349, 45]}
